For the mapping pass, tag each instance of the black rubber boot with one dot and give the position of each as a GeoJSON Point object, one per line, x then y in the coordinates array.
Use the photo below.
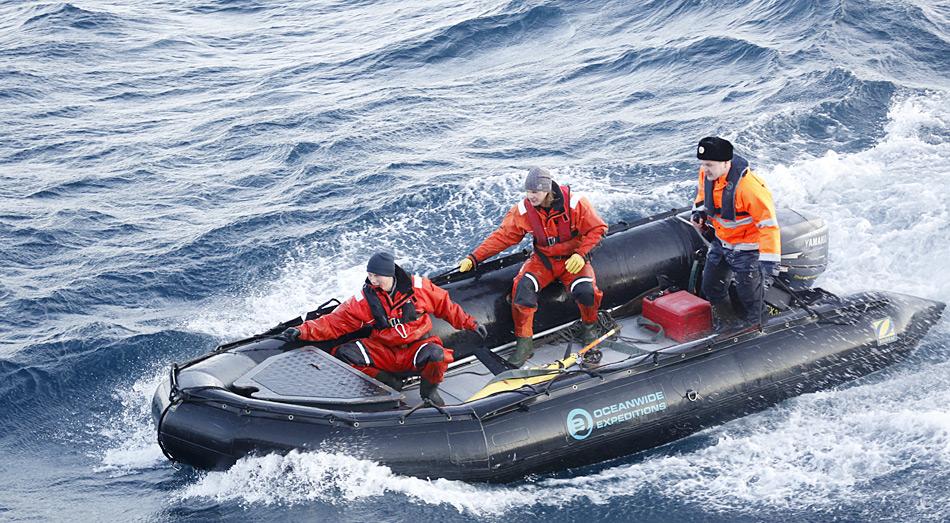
{"type": "Point", "coordinates": [430, 391]}
{"type": "Point", "coordinates": [524, 349]}
{"type": "Point", "coordinates": [724, 318]}
{"type": "Point", "coordinates": [589, 333]}
{"type": "Point", "coordinates": [387, 378]}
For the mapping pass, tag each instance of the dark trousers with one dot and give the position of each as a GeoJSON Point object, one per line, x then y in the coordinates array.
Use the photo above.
{"type": "Point", "coordinates": [722, 265]}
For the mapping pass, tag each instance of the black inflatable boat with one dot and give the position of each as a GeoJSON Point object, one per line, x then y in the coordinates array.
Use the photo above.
{"type": "Point", "coordinates": [561, 410]}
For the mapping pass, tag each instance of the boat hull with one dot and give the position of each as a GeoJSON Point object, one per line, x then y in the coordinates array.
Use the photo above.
{"type": "Point", "coordinates": [583, 417]}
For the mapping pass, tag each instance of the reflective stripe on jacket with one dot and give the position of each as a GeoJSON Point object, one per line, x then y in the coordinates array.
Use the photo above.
{"type": "Point", "coordinates": [751, 222]}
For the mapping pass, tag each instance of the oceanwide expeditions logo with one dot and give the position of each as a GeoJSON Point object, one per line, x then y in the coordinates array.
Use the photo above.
{"type": "Point", "coordinates": [581, 423]}
{"type": "Point", "coordinates": [885, 330]}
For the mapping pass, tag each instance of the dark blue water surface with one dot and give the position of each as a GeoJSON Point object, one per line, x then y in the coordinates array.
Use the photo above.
{"type": "Point", "coordinates": [177, 174]}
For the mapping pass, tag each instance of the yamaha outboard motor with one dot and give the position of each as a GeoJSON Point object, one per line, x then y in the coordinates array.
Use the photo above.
{"type": "Point", "coordinates": [804, 248]}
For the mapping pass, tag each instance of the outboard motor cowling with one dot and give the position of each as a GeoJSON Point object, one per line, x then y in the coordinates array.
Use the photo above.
{"type": "Point", "coordinates": [804, 247]}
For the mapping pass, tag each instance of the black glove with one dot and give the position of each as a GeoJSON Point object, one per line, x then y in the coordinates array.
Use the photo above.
{"type": "Point", "coordinates": [481, 331]}
{"type": "Point", "coordinates": [290, 335]}
{"type": "Point", "coordinates": [698, 217]}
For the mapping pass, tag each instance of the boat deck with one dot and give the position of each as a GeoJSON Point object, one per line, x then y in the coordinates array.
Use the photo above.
{"type": "Point", "coordinates": [463, 381]}
{"type": "Point", "coordinates": [312, 377]}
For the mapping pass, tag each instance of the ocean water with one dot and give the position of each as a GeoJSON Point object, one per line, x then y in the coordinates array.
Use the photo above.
{"type": "Point", "coordinates": [177, 174]}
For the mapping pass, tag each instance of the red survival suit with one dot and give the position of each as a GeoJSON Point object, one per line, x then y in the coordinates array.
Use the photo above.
{"type": "Point", "coordinates": [400, 341]}
{"type": "Point", "coordinates": [570, 225]}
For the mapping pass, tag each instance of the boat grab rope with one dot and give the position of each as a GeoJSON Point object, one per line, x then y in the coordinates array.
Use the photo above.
{"type": "Point", "coordinates": [161, 445]}
{"type": "Point", "coordinates": [425, 403]}
{"type": "Point", "coordinates": [175, 396]}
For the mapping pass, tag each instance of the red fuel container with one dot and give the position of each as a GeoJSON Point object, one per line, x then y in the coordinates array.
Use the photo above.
{"type": "Point", "coordinates": [683, 316]}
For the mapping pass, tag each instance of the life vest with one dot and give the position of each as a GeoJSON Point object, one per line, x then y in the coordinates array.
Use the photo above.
{"type": "Point", "coordinates": [738, 169]}
{"type": "Point", "coordinates": [382, 320]}
{"type": "Point", "coordinates": [565, 226]}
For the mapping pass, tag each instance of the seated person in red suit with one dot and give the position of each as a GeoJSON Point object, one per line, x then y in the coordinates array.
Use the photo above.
{"type": "Point", "coordinates": [397, 306]}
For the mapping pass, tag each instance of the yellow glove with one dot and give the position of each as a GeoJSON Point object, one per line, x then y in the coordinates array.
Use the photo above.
{"type": "Point", "coordinates": [575, 263]}
{"type": "Point", "coordinates": [466, 265]}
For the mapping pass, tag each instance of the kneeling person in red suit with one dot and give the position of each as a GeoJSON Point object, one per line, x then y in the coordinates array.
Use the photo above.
{"type": "Point", "coordinates": [397, 306]}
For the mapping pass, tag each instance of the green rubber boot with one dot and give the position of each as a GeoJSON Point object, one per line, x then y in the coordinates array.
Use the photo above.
{"type": "Point", "coordinates": [430, 391]}
{"type": "Point", "coordinates": [589, 333]}
{"type": "Point", "coordinates": [524, 349]}
{"type": "Point", "coordinates": [387, 378]}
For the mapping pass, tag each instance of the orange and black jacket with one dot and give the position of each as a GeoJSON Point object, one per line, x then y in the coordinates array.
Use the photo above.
{"type": "Point", "coordinates": [398, 318]}
{"type": "Point", "coordinates": [741, 211]}
{"type": "Point", "coordinates": [570, 225]}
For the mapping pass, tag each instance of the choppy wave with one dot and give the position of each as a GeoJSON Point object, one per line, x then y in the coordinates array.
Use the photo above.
{"type": "Point", "coordinates": [467, 38]}
{"type": "Point", "coordinates": [57, 16]}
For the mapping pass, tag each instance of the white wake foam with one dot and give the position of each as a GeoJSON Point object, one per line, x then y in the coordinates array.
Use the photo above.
{"type": "Point", "coordinates": [886, 207]}
{"type": "Point", "coordinates": [335, 479]}
{"type": "Point", "coordinates": [129, 436]}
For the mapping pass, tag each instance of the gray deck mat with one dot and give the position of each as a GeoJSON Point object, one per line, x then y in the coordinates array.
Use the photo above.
{"type": "Point", "coordinates": [310, 375]}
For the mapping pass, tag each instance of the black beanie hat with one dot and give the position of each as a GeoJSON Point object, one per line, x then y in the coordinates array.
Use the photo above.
{"type": "Point", "coordinates": [382, 263]}
{"type": "Point", "coordinates": [715, 149]}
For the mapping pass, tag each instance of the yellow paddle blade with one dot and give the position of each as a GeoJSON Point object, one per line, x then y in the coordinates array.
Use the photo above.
{"type": "Point", "coordinates": [516, 383]}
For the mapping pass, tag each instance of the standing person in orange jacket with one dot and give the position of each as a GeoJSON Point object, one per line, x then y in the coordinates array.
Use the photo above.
{"type": "Point", "coordinates": [397, 306]}
{"type": "Point", "coordinates": [565, 228]}
{"type": "Point", "coordinates": [747, 243]}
